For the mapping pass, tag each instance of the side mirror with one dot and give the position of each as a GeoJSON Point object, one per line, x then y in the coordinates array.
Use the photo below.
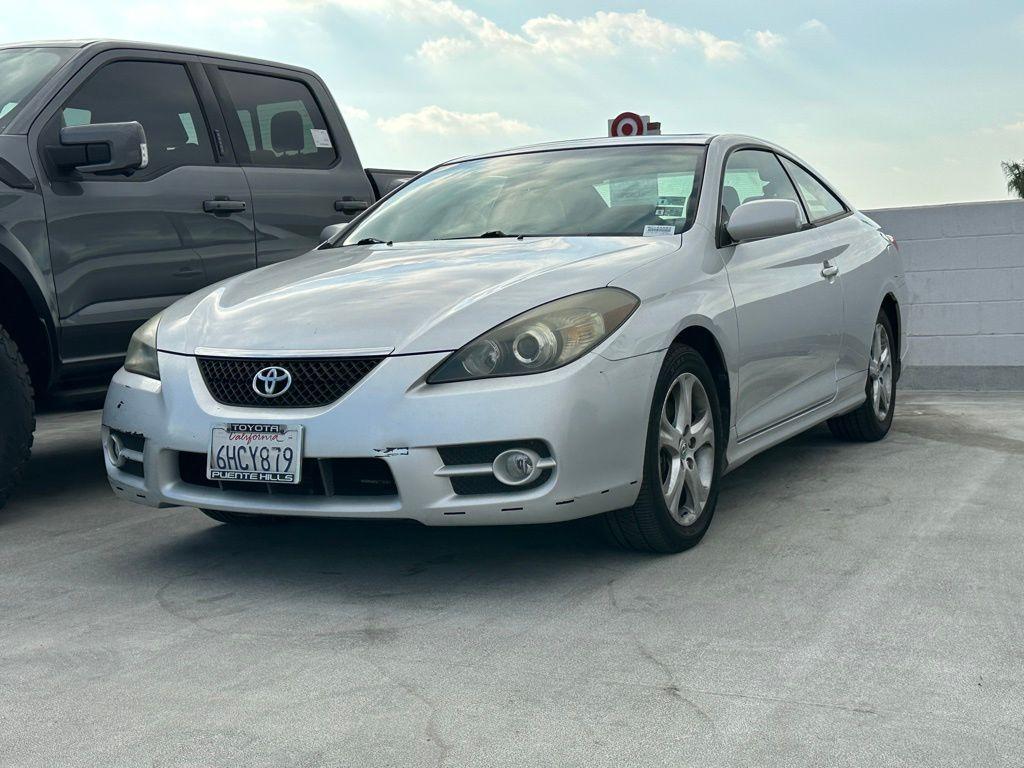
{"type": "Point", "coordinates": [102, 148]}
{"type": "Point", "coordinates": [331, 231]}
{"type": "Point", "coordinates": [764, 218]}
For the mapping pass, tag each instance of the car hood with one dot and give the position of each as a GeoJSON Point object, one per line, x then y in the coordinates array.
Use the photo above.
{"type": "Point", "coordinates": [406, 298]}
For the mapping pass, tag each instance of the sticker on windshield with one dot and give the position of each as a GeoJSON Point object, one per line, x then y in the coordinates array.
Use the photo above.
{"type": "Point", "coordinates": [321, 138]}
{"type": "Point", "coordinates": [656, 230]}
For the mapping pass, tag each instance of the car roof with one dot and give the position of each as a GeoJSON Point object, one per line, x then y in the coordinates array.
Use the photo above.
{"type": "Point", "coordinates": [693, 139]}
{"type": "Point", "coordinates": [96, 45]}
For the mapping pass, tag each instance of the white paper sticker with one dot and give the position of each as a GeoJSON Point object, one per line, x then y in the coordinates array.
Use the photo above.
{"type": "Point", "coordinates": [655, 230]}
{"type": "Point", "coordinates": [321, 138]}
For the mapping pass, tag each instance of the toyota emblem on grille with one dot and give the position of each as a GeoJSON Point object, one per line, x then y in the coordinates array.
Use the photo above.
{"type": "Point", "coordinates": [271, 381]}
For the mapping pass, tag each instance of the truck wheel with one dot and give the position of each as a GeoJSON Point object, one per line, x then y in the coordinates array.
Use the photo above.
{"type": "Point", "coordinates": [17, 415]}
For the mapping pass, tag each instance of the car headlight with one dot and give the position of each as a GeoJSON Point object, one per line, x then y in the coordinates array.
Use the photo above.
{"type": "Point", "coordinates": [545, 338]}
{"type": "Point", "coordinates": [141, 357]}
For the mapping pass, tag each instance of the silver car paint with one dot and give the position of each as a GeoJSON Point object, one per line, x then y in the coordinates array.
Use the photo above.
{"type": "Point", "coordinates": [795, 344]}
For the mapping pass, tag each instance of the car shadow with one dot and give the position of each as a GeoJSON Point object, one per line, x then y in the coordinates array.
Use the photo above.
{"type": "Point", "coordinates": [404, 558]}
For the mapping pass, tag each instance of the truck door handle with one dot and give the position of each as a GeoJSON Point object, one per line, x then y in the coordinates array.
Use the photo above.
{"type": "Point", "coordinates": [828, 271]}
{"type": "Point", "coordinates": [223, 205]}
{"type": "Point", "coordinates": [349, 205]}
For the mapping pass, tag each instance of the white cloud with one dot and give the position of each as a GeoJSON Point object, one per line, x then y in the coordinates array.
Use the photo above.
{"type": "Point", "coordinates": [767, 40]}
{"type": "Point", "coordinates": [354, 113]}
{"type": "Point", "coordinates": [438, 120]}
{"type": "Point", "coordinates": [442, 48]}
{"type": "Point", "coordinates": [603, 33]}
{"type": "Point", "coordinates": [814, 25]}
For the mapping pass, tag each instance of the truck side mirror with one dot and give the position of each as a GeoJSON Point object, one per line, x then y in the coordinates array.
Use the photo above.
{"type": "Point", "coordinates": [101, 148]}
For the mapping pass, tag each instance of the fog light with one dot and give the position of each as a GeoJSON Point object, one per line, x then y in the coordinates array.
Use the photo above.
{"type": "Point", "coordinates": [115, 449]}
{"type": "Point", "coordinates": [517, 466]}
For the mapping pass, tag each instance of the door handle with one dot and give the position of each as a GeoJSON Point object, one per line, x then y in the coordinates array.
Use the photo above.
{"type": "Point", "coordinates": [349, 205]}
{"type": "Point", "coordinates": [188, 272]}
{"type": "Point", "coordinates": [828, 271]}
{"type": "Point", "coordinates": [223, 205]}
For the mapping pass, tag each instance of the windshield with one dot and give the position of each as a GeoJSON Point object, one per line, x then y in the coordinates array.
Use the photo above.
{"type": "Point", "coordinates": [22, 71]}
{"type": "Point", "coordinates": [619, 190]}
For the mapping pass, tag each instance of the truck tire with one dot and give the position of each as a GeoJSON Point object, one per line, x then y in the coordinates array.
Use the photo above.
{"type": "Point", "coordinates": [17, 415]}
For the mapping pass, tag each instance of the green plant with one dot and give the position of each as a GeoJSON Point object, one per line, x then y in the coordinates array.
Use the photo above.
{"type": "Point", "coordinates": [1014, 178]}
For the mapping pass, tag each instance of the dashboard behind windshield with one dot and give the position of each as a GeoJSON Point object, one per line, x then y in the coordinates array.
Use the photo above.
{"type": "Point", "coordinates": [611, 190]}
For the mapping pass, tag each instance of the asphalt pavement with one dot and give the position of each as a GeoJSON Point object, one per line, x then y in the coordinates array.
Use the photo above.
{"type": "Point", "coordinates": [851, 605]}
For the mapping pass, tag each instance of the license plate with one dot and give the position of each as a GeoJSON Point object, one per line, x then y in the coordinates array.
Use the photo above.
{"type": "Point", "coordinates": [255, 453]}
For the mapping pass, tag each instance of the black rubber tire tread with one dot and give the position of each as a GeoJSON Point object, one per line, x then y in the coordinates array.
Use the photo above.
{"type": "Point", "coordinates": [241, 518]}
{"type": "Point", "coordinates": [647, 526]}
{"type": "Point", "coordinates": [17, 416]}
{"type": "Point", "coordinates": [862, 425]}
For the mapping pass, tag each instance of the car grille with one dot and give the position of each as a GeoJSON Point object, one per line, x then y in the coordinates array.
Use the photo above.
{"type": "Point", "coordinates": [352, 477]}
{"type": "Point", "coordinates": [315, 381]}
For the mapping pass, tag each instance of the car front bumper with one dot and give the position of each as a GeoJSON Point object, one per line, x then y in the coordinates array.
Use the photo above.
{"type": "Point", "coordinates": [592, 415]}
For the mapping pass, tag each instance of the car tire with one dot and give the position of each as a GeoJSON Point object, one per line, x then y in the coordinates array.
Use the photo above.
{"type": "Point", "coordinates": [17, 416]}
{"type": "Point", "coordinates": [653, 523]}
{"type": "Point", "coordinates": [241, 518]}
{"type": "Point", "coordinates": [873, 418]}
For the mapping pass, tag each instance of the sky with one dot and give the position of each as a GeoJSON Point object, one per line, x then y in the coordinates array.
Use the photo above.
{"type": "Point", "coordinates": [896, 102]}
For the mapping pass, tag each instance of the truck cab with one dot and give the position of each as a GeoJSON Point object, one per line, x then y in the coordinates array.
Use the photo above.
{"type": "Point", "coordinates": [133, 174]}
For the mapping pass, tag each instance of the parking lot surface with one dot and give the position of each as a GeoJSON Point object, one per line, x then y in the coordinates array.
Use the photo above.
{"type": "Point", "coordinates": [851, 605]}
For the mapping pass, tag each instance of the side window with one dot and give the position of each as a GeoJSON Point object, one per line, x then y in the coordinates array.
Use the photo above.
{"type": "Point", "coordinates": [160, 96]}
{"type": "Point", "coordinates": [754, 174]}
{"type": "Point", "coordinates": [820, 202]}
{"type": "Point", "coordinates": [279, 120]}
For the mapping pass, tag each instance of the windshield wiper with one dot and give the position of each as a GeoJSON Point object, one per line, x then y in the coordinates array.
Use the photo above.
{"type": "Point", "coordinates": [372, 241]}
{"type": "Point", "coordinates": [489, 233]}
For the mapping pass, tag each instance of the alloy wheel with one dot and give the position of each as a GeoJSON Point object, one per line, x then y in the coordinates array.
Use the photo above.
{"type": "Point", "coordinates": [686, 449]}
{"type": "Point", "coordinates": [880, 372]}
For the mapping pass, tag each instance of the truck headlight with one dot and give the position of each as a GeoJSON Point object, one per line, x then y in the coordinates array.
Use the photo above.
{"type": "Point", "coordinates": [545, 338]}
{"type": "Point", "coordinates": [141, 357]}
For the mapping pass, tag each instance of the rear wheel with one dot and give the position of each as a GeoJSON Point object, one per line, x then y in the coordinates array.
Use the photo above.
{"type": "Point", "coordinates": [241, 518]}
{"type": "Point", "coordinates": [17, 416]}
{"type": "Point", "coordinates": [871, 421]}
{"type": "Point", "coordinates": [682, 461]}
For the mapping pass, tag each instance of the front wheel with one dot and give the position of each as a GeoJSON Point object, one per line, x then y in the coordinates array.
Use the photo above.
{"type": "Point", "coordinates": [872, 420]}
{"type": "Point", "coordinates": [17, 416]}
{"type": "Point", "coordinates": [682, 461]}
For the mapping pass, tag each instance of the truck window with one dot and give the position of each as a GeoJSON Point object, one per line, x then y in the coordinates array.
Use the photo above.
{"type": "Point", "coordinates": [279, 121]}
{"type": "Point", "coordinates": [157, 94]}
{"type": "Point", "coordinates": [22, 72]}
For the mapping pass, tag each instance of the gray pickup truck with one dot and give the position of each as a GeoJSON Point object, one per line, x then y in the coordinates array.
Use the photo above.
{"type": "Point", "coordinates": [133, 174]}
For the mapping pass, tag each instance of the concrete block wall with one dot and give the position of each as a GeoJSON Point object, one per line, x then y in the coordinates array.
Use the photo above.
{"type": "Point", "coordinates": [965, 274]}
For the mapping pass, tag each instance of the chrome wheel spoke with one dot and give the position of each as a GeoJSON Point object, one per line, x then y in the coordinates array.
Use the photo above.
{"type": "Point", "coordinates": [880, 372]}
{"type": "Point", "coordinates": [686, 441]}
{"type": "Point", "coordinates": [703, 432]}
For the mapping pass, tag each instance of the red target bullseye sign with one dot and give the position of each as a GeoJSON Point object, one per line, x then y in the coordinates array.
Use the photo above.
{"type": "Point", "coordinates": [627, 124]}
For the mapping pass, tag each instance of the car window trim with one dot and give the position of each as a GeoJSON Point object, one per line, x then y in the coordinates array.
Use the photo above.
{"type": "Point", "coordinates": [807, 211]}
{"type": "Point", "coordinates": [237, 135]}
{"type": "Point", "coordinates": [45, 115]}
{"type": "Point", "coordinates": [719, 226]}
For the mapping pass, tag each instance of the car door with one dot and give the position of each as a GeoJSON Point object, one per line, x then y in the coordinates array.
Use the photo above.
{"type": "Point", "coordinates": [124, 247]}
{"type": "Point", "coordinates": [788, 313]}
{"type": "Point", "coordinates": [298, 158]}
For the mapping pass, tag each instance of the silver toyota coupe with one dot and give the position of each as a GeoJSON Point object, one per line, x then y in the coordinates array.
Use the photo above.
{"type": "Point", "coordinates": [600, 327]}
